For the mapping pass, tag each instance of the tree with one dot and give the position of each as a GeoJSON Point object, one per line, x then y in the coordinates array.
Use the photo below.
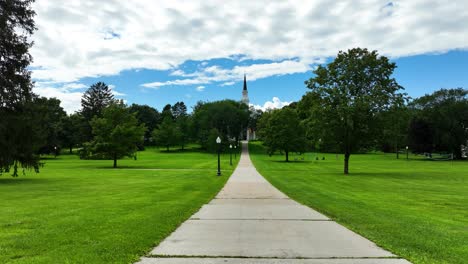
{"type": "Point", "coordinates": [228, 117]}
{"type": "Point", "coordinates": [117, 133]}
{"type": "Point", "coordinates": [73, 129]}
{"type": "Point", "coordinates": [94, 101]}
{"type": "Point", "coordinates": [179, 109]}
{"type": "Point", "coordinates": [446, 112]}
{"type": "Point", "coordinates": [148, 116]}
{"type": "Point", "coordinates": [393, 124]}
{"type": "Point", "coordinates": [19, 140]}
{"type": "Point", "coordinates": [167, 134]}
{"type": "Point", "coordinates": [281, 129]}
{"type": "Point", "coordinates": [347, 95]}
{"type": "Point", "coordinates": [51, 116]}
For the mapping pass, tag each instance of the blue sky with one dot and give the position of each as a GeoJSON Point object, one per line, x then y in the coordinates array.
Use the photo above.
{"type": "Point", "coordinates": [159, 53]}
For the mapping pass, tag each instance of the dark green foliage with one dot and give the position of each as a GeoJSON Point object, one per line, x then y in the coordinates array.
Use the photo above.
{"type": "Point", "coordinates": [117, 133]}
{"type": "Point", "coordinates": [346, 97]}
{"type": "Point", "coordinates": [148, 116]}
{"type": "Point", "coordinates": [93, 102]}
{"type": "Point", "coordinates": [393, 126]}
{"type": "Point", "coordinates": [441, 121]}
{"type": "Point", "coordinates": [228, 117]}
{"type": "Point", "coordinates": [73, 130]}
{"type": "Point", "coordinates": [420, 135]}
{"type": "Point", "coordinates": [51, 116]}
{"type": "Point", "coordinates": [167, 134]}
{"type": "Point", "coordinates": [282, 130]}
{"type": "Point", "coordinates": [19, 137]}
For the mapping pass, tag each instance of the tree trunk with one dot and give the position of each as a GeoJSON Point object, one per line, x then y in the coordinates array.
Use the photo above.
{"type": "Point", "coordinates": [115, 161]}
{"type": "Point", "coordinates": [287, 156]}
{"type": "Point", "coordinates": [346, 163]}
{"type": "Point", "coordinates": [71, 149]}
{"type": "Point", "coordinates": [167, 148]}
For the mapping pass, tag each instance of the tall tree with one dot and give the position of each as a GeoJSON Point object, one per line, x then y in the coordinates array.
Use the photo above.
{"type": "Point", "coordinates": [73, 130]}
{"type": "Point", "coordinates": [446, 112]}
{"type": "Point", "coordinates": [18, 138]}
{"type": "Point", "coordinates": [51, 116]}
{"type": "Point", "coordinates": [282, 129]}
{"type": "Point", "coordinates": [148, 116]}
{"type": "Point", "coordinates": [346, 96]}
{"type": "Point", "coordinates": [167, 134]}
{"type": "Point", "coordinates": [228, 117]}
{"type": "Point", "coordinates": [94, 100]}
{"type": "Point", "coordinates": [179, 109]}
{"type": "Point", "coordinates": [117, 132]}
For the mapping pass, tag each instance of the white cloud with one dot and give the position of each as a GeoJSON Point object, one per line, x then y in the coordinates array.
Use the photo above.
{"type": "Point", "coordinates": [227, 83]}
{"type": "Point", "coordinates": [275, 103]}
{"type": "Point", "coordinates": [78, 39]}
{"type": "Point", "coordinates": [95, 38]}
{"type": "Point", "coordinates": [229, 76]}
{"type": "Point", "coordinates": [115, 92]}
{"type": "Point", "coordinates": [200, 88]}
{"type": "Point", "coordinates": [67, 94]}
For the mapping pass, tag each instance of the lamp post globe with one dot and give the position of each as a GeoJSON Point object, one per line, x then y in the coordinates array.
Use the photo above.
{"type": "Point", "coordinates": [230, 154]}
{"type": "Point", "coordinates": [218, 141]}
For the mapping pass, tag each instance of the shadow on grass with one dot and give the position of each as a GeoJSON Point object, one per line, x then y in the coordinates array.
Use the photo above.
{"type": "Point", "coordinates": [19, 180]}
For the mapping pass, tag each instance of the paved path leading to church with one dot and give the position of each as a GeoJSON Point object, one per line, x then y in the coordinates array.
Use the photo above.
{"type": "Point", "coordinates": [252, 222]}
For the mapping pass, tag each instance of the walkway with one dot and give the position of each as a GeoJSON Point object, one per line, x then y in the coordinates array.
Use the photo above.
{"type": "Point", "coordinates": [252, 222]}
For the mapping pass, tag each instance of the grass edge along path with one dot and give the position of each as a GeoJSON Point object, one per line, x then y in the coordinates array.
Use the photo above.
{"type": "Point", "coordinates": [83, 211]}
{"type": "Point", "coordinates": [416, 209]}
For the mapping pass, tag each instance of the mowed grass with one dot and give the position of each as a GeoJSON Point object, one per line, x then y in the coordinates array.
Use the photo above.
{"type": "Point", "coordinates": [83, 211]}
{"type": "Point", "coordinates": [417, 209]}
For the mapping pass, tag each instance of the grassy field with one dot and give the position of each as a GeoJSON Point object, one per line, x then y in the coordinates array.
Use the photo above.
{"type": "Point", "coordinates": [416, 208]}
{"type": "Point", "coordinates": [78, 211]}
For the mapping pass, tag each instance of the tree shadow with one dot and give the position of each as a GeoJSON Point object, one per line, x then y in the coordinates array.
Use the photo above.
{"type": "Point", "coordinates": [19, 180]}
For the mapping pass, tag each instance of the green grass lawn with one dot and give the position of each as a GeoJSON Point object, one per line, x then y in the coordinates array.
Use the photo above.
{"type": "Point", "coordinates": [418, 209]}
{"type": "Point", "coordinates": [83, 211]}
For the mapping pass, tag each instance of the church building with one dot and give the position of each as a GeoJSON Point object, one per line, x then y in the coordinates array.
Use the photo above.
{"type": "Point", "coordinates": [250, 132]}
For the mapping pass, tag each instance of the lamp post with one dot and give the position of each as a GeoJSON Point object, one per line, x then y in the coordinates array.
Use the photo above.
{"type": "Point", "coordinates": [55, 151]}
{"type": "Point", "coordinates": [230, 154]}
{"type": "Point", "coordinates": [406, 152]}
{"type": "Point", "coordinates": [218, 141]}
{"type": "Point", "coordinates": [235, 151]}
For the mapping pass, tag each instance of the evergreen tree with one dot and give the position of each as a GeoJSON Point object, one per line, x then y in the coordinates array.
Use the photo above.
{"type": "Point", "coordinates": [93, 102]}
{"type": "Point", "coordinates": [117, 132]}
{"type": "Point", "coordinates": [95, 99]}
{"type": "Point", "coordinates": [19, 139]}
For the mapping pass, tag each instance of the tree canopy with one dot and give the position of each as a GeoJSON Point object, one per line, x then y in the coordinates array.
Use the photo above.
{"type": "Point", "coordinates": [229, 118]}
{"type": "Point", "coordinates": [117, 133]}
{"type": "Point", "coordinates": [282, 129]}
{"type": "Point", "coordinates": [346, 96]}
{"type": "Point", "coordinates": [19, 137]}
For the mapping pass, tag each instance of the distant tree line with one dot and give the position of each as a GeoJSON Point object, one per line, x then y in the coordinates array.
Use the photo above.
{"type": "Point", "coordinates": [355, 105]}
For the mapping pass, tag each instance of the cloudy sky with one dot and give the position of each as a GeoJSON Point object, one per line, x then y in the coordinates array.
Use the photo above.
{"type": "Point", "coordinates": [158, 52]}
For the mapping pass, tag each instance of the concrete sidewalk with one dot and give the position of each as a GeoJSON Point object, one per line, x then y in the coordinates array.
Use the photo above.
{"type": "Point", "coordinates": [250, 221]}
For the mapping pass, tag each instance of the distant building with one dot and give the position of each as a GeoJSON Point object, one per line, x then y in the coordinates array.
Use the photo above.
{"type": "Point", "coordinates": [249, 132]}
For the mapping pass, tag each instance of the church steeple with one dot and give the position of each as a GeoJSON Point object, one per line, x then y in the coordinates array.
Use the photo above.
{"type": "Point", "coordinates": [245, 93]}
{"type": "Point", "coordinates": [245, 83]}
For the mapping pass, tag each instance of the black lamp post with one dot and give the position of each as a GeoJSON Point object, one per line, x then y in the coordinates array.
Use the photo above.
{"type": "Point", "coordinates": [218, 141]}
{"type": "Point", "coordinates": [235, 151]}
{"type": "Point", "coordinates": [230, 154]}
{"type": "Point", "coordinates": [406, 152]}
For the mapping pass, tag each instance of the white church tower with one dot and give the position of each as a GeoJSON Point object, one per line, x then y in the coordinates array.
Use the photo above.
{"type": "Point", "coordinates": [249, 133]}
{"type": "Point", "coordinates": [245, 93]}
